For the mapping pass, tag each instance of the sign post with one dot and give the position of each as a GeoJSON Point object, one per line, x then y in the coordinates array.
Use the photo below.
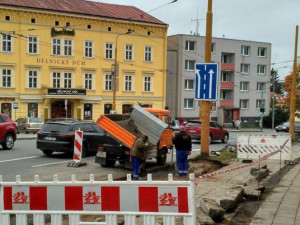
{"type": "Point", "coordinates": [16, 106]}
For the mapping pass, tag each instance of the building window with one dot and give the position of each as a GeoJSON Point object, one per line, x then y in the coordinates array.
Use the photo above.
{"type": "Point", "coordinates": [148, 54]}
{"type": "Point", "coordinates": [89, 26]}
{"type": "Point", "coordinates": [190, 65]}
{"type": "Point", "coordinates": [88, 111]}
{"type": "Point", "coordinates": [68, 24]}
{"type": "Point", "coordinates": [128, 83]}
{"type": "Point", "coordinates": [188, 103]}
{"type": "Point", "coordinates": [261, 69]}
{"type": "Point", "coordinates": [7, 18]}
{"type": "Point", "coordinates": [109, 29]}
{"type": "Point", "coordinates": [6, 43]}
{"type": "Point", "coordinates": [190, 45]}
{"type": "Point", "coordinates": [6, 78]}
{"type": "Point", "coordinates": [56, 23]}
{"type": "Point", "coordinates": [149, 33]}
{"type": "Point", "coordinates": [147, 84]}
{"type": "Point", "coordinates": [244, 86]}
{"type": "Point", "coordinates": [107, 108]}
{"type": "Point", "coordinates": [67, 80]}
{"type": "Point", "coordinates": [245, 68]}
{"type": "Point", "coordinates": [68, 47]}
{"type": "Point", "coordinates": [32, 79]}
{"type": "Point", "coordinates": [244, 103]}
{"type": "Point", "coordinates": [126, 108]}
{"type": "Point", "coordinates": [88, 49]}
{"type": "Point", "coordinates": [245, 50]}
{"type": "Point", "coordinates": [32, 20]}
{"type": "Point", "coordinates": [56, 80]}
{"type": "Point", "coordinates": [223, 95]}
{"type": "Point", "coordinates": [188, 84]}
{"type": "Point", "coordinates": [32, 110]}
{"type": "Point", "coordinates": [88, 81]}
{"type": "Point", "coordinates": [224, 77]}
{"type": "Point", "coordinates": [262, 52]}
{"type": "Point", "coordinates": [32, 45]}
{"type": "Point", "coordinates": [108, 50]}
{"type": "Point", "coordinates": [213, 47]}
{"type": "Point", "coordinates": [260, 86]}
{"type": "Point", "coordinates": [260, 103]}
{"type": "Point", "coordinates": [56, 46]}
{"type": "Point", "coordinates": [108, 82]}
{"type": "Point", "coordinates": [129, 52]}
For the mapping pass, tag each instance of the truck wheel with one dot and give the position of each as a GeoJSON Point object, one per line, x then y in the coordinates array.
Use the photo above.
{"type": "Point", "coordinates": [8, 142]}
{"type": "Point", "coordinates": [108, 163]}
{"type": "Point", "coordinates": [161, 159]}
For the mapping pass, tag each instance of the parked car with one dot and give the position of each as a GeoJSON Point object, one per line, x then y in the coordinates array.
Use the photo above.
{"type": "Point", "coordinates": [61, 119]}
{"type": "Point", "coordinates": [285, 127]}
{"type": "Point", "coordinates": [8, 132]}
{"type": "Point", "coordinates": [217, 132]}
{"type": "Point", "coordinates": [29, 125]}
{"type": "Point", "coordinates": [59, 137]}
{"type": "Point", "coordinates": [175, 125]}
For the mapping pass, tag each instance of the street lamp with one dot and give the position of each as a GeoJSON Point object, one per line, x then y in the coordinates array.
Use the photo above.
{"type": "Point", "coordinates": [115, 70]}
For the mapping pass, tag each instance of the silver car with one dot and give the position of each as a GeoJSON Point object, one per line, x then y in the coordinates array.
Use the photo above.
{"type": "Point", "coordinates": [29, 125]}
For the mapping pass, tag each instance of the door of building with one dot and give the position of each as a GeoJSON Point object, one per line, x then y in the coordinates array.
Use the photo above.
{"type": "Point", "coordinates": [58, 109]}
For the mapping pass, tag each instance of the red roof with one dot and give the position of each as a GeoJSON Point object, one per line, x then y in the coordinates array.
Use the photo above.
{"type": "Point", "coordinates": [86, 8]}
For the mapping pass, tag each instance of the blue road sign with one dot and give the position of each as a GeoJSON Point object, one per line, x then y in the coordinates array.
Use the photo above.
{"type": "Point", "coordinates": [15, 105]}
{"type": "Point", "coordinates": [206, 80]}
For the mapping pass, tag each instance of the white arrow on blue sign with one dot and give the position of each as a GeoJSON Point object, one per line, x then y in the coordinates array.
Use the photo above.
{"type": "Point", "coordinates": [206, 80]}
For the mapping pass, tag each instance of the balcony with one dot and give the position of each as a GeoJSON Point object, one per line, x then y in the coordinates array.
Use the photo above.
{"type": "Point", "coordinates": [227, 67]}
{"type": "Point", "coordinates": [226, 103]}
{"type": "Point", "coordinates": [227, 85]}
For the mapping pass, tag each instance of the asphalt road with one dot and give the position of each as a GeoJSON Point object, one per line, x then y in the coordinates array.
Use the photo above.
{"type": "Point", "coordinates": [26, 160]}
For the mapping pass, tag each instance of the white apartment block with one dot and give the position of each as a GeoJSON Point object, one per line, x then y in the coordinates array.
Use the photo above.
{"type": "Point", "coordinates": [244, 78]}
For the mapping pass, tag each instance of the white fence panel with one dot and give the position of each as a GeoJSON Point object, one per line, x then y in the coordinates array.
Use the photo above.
{"type": "Point", "coordinates": [255, 146]}
{"type": "Point", "coordinates": [147, 199]}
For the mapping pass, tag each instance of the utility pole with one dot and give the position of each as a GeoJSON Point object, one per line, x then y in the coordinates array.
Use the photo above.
{"type": "Point", "coordinates": [293, 94]}
{"type": "Point", "coordinates": [205, 105]}
{"type": "Point", "coordinates": [273, 104]}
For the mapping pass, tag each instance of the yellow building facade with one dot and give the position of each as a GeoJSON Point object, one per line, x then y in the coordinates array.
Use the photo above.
{"type": "Point", "coordinates": [57, 63]}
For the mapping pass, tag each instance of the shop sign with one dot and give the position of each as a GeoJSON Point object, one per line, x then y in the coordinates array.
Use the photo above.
{"type": "Point", "coordinates": [64, 31]}
{"type": "Point", "coordinates": [7, 99]}
{"type": "Point", "coordinates": [66, 91]}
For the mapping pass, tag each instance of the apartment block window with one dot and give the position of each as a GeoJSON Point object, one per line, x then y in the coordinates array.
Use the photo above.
{"type": "Point", "coordinates": [260, 86]}
{"type": "Point", "coordinates": [6, 78]}
{"type": "Point", "coordinates": [188, 103]}
{"type": "Point", "coordinates": [108, 82]}
{"type": "Point", "coordinates": [244, 86]}
{"type": "Point", "coordinates": [129, 52]}
{"type": "Point", "coordinates": [88, 81]}
{"type": "Point", "coordinates": [6, 43]}
{"type": "Point", "coordinates": [190, 45]}
{"type": "Point", "coordinates": [261, 69]}
{"type": "Point", "coordinates": [32, 45]}
{"type": "Point", "coordinates": [260, 103]}
{"type": "Point", "coordinates": [56, 43]}
{"type": "Point", "coordinates": [68, 47]}
{"type": "Point", "coordinates": [245, 50]}
{"type": "Point", "coordinates": [128, 83]}
{"type": "Point", "coordinates": [224, 77]}
{"type": "Point", "coordinates": [32, 78]}
{"type": "Point", "coordinates": [147, 84]}
{"type": "Point", "coordinates": [67, 80]}
{"type": "Point", "coordinates": [188, 84]}
{"type": "Point", "coordinates": [244, 103]}
{"type": "Point", "coordinates": [245, 68]}
{"type": "Point", "coordinates": [108, 50]}
{"type": "Point", "coordinates": [56, 80]}
{"type": "Point", "coordinates": [262, 52]}
{"type": "Point", "coordinates": [88, 49]}
{"type": "Point", "coordinates": [213, 47]}
{"type": "Point", "coordinates": [190, 65]}
{"type": "Point", "coordinates": [223, 95]}
{"type": "Point", "coordinates": [148, 54]}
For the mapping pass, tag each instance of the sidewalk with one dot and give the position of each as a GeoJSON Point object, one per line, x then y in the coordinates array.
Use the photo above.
{"type": "Point", "coordinates": [23, 136]}
{"type": "Point", "coordinates": [279, 208]}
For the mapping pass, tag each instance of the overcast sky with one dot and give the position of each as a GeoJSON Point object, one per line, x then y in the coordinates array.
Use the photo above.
{"type": "Point", "coordinates": [272, 21]}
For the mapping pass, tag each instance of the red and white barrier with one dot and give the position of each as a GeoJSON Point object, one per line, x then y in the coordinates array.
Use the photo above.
{"type": "Point", "coordinates": [111, 198]}
{"type": "Point", "coordinates": [78, 146]}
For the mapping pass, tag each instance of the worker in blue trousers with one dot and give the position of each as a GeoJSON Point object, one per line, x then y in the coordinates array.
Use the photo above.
{"type": "Point", "coordinates": [137, 155]}
{"type": "Point", "coordinates": [183, 145]}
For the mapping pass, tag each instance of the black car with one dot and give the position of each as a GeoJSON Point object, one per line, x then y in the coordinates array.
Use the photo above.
{"type": "Point", "coordinates": [59, 137]}
{"type": "Point", "coordinates": [285, 127]}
